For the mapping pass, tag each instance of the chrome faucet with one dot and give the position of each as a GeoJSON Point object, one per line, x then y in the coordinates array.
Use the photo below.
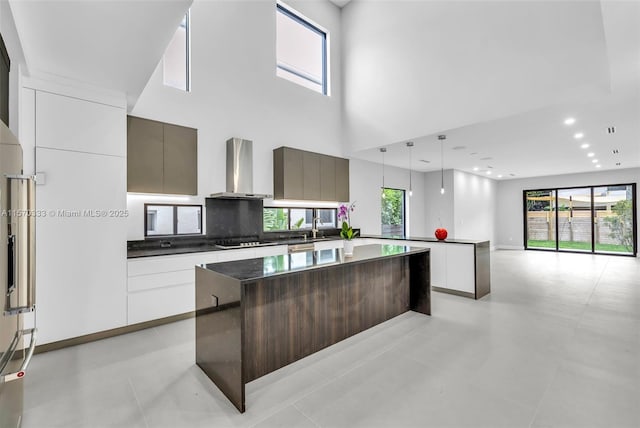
{"type": "Point", "coordinates": [314, 229]}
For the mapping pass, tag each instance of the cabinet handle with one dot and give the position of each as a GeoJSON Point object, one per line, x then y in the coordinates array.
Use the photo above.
{"type": "Point", "coordinates": [214, 300]}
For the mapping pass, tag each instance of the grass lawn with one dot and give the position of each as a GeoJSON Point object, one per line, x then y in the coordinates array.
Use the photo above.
{"type": "Point", "coordinates": [582, 246]}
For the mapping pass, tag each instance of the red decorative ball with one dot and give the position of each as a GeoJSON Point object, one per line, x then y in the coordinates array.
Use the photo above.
{"type": "Point", "coordinates": [441, 234]}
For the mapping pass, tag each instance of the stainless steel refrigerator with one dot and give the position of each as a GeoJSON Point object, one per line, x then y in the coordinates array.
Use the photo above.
{"type": "Point", "coordinates": [17, 277]}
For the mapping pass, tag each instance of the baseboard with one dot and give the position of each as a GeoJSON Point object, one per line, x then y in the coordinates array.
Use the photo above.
{"type": "Point", "coordinates": [509, 247]}
{"type": "Point", "coordinates": [52, 346]}
{"type": "Point", "coordinates": [454, 292]}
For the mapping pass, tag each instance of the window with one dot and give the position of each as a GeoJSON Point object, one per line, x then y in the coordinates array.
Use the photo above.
{"type": "Point", "coordinates": [282, 219]}
{"type": "Point", "coordinates": [162, 220]}
{"type": "Point", "coordinates": [393, 212]}
{"type": "Point", "coordinates": [301, 50]}
{"type": "Point", "coordinates": [592, 219]}
{"type": "Point", "coordinates": [176, 60]}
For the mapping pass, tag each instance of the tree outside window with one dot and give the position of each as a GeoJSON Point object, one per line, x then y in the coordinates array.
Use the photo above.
{"type": "Point", "coordinates": [393, 212]}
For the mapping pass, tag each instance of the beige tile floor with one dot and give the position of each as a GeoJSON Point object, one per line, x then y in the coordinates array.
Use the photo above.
{"type": "Point", "coordinates": [556, 344]}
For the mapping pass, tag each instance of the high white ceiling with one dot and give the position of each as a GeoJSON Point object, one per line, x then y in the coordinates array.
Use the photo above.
{"type": "Point", "coordinates": [499, 79]}
{"type": "Point", "coordinates": [112, 44]}
{"type": "Point", "coordinates": [340, 3]}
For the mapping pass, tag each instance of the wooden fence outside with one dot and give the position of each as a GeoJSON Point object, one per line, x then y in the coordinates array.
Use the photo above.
{"type": "Point", "coordinates": [576, 228]}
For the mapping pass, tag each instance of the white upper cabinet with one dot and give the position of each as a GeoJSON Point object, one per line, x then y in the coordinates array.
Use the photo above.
{"type": "Point", "coordinates": [69, 123]}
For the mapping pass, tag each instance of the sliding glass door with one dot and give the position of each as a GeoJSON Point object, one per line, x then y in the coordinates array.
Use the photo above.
{"type": "Point", "coordinates": [614, 219]}
{"type": "Point", "coordinates": [540, 208]}
{"type": "Point", "coordinates": [593, 219]}
{"type": "Point", "coordinates": [574, 219]}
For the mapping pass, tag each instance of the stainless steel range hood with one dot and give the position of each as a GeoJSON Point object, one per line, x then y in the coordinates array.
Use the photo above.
{"type": "Point", "coordinates": [239, 171]}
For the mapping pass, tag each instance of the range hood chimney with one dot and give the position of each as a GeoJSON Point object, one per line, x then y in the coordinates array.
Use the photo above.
{"type": "Point", "coordinates": [239, 171]}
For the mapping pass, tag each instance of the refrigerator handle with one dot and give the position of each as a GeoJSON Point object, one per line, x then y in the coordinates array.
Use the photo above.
{"type": "Point", "coordinates": [20, 297]}
{"type": "Point", "coordinates": [11, 264]}
{"type": "Point", "coordinates": [8, 356]}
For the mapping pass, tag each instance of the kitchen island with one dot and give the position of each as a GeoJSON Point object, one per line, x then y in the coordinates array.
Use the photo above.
{"type": "Point", "coordinates": [256, 316]}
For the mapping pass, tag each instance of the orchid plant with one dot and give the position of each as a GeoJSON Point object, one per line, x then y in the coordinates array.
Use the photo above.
{"type": "Point", "coordinates": [343, 215]}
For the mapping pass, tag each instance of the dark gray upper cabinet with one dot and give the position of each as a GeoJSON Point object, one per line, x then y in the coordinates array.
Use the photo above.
{"type": "Point", "coordinates": [342, 180]}
{"type": "Point", "coordinates": [287, 168]}
{"type": "Point", "coordinates": [328, 178]}
{"type": "Point", "coordinates": [311, 185]}
{"type": "Point", "coordinates": [303, 175]}
{"type": "Point", "coordinates": [161, 158]}
{"type": "Point", "coordinates": [180, 160]}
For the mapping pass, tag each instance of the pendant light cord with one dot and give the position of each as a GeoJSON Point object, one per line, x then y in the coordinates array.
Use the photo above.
{"type": "Point", "coordinates": [410, 145]}
{"type": "Point", "coordinates": [383, 150]}
{"type": "Point", "coordinates": [442, 138]}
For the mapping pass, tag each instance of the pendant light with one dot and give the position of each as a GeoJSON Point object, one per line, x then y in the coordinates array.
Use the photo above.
{"type": "Point", "coordinates": [410, 145]}
{"type": "Point", "coordinates": [442, 138]}
{"type": "Point", "coordinates": [383, 150]}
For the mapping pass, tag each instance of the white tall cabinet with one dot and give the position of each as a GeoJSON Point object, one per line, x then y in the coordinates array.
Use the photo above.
{"type": "Point", "coordinates": [81, 231]}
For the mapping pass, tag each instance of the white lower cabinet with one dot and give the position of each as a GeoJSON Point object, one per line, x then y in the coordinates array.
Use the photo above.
{"type": "Point", "coordinates": [461, 268]}
{"type": "Point", "coordinates": [81, 258]}
{"type": "Point", "coordinates": [163, 286]}
{"type": "Point", "coordinates": [275, 250]}
{"type": "Point", "coordinates": [162, 302]}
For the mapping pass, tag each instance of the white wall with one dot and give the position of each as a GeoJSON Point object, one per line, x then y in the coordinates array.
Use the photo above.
{"type": "Point", "coordinates": [475, 200]}
{"type": "Point", "coordinates": [414, 68]}
{"type": "Point", "coordinates": [80, 149]}
{"type": "Point", "coordinates": [366, 181]}
{"type": "Point", "coordinates": [510, 211]}
{"type": "Point", "coordinates": [439, 208]}
{"type": "Point", "coordinates": [236, 93]}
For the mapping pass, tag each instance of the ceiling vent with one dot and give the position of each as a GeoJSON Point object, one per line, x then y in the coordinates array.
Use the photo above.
{"type": "Point", "coordinates": [611, 130]}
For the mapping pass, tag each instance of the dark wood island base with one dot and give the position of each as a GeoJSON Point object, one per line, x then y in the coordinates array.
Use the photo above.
{"type": "Point", "coordinates": [256, 316]}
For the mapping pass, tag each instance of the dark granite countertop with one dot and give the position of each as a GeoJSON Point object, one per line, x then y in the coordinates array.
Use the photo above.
{"type": "Point", "coordinates": [427, 239]}
{"type": "Point", "coordinates": [264, 267]}
{"type": "Point", "coordinates": [200, 243]}
{"type": "Point", "coordinates": [196, 244]}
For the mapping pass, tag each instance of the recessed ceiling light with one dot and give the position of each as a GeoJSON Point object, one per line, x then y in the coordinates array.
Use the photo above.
{"type": "Point", "coordinates": [499, 175]}
{"type": "Point", "coordinates": [591, 154]}
{"type": "Point", "coordinates": [569, 121]}
{"type": "Point", "coordinates": [595, 161]}
{"type": "Point", "coordinates": [475, 168]}
{"type": "Point", "coordinates": [598, 166]}
{"type": "Point", "coordinates": [425, 161]}
{"type": "Point", "coordinates": [486, 158]}
{"type": "Point", "coordinates": [488, 172]}
{"type": "Point", "coordinates": [473, 153]}
{"type": "Point", "coordinates": [458, 148]}
{"type": "Point", "coordinates": [584, 146]}
{"type": "Point", "coordinates": [578, 135]}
